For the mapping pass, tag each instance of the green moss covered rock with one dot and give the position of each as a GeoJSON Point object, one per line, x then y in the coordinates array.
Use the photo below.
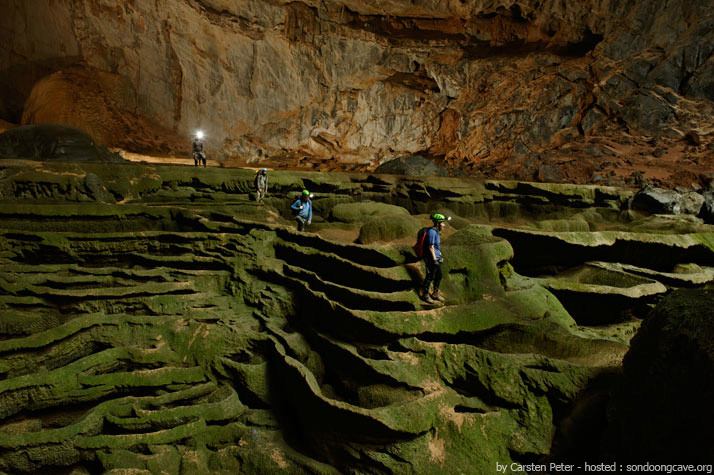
{"type": "Point", "coordinates": [186, 329]}
{"type": "Point", "coordinates": [669, 372]}
{"type": "Point", "coordinates": [358, 212]}
{"type": "Point", "coordinates": [388, 227]}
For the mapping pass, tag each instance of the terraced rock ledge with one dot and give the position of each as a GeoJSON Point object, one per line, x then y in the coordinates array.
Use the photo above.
{"type": "Point", "coordinates": [157, 319]}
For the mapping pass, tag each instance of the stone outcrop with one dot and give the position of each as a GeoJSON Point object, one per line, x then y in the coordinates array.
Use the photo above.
{"type": "Point", "coordinates": [412, 166]}
{"type": "Point", "coordinates": [53, 142]}
{"type": "Point", "coordinates": [484, 87]}
{"type": "Point", "coordinates": [601, 293]}
{"type": "Point", "coordinates": [657, 200]}
{"type": "Point", "coordinates": [101, 103]}
{"type": "Point", "coordinates": [668, 371]}
{"type": "Point", "coordinates": [707, 211]}
{"type": "Point", "coordinates": [207, 336]}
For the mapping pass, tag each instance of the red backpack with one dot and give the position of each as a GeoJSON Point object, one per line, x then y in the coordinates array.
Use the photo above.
{"type": "Point", "coordinates": [421, 240]}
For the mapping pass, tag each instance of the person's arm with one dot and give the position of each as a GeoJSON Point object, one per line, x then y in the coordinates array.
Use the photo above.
{"type": "Point", "coordinates": [309, 217]}
{"type": "Point", "coordinates": [296, 205]}
{"type": "Point", "coordinates": [432, 243]}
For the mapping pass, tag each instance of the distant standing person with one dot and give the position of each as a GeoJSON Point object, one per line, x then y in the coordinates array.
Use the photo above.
{"type": "Point", "coordinates": [303, 207]}
{"type": "Point", "coordinates": [261, 184]}
{"type": "Point", "coordinates": [199, 155]}
{"type": "Point", "coordinates": [433, 259]}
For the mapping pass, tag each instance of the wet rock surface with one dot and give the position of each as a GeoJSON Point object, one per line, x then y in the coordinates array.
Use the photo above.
{"type": "Point", "coordinates": [182, 326]}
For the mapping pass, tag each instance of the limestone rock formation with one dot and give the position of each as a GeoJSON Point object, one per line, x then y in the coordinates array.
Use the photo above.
{"type": "Point", "coordinates": [599, 293]}
{"type": "Point", "coordinates": [412, 166]}
{"type": "Point", "coordinates": [499, 88]}
{"type": "Point", "coordinates": [182, 326]}
{"type": "Point", "coordinates": [157, 318]}
{"type": "Point", "coordinates": [53, 142]}
{"type": "Point", "coordinates": [104, 105]}
{"type": "Point", "coordinates": [668, 371]}
{"type": "Point", "coordinates": [656, 200]}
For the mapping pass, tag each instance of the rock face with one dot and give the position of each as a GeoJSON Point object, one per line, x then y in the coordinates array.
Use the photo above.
{"type": "Point", "coordinates": [412, 166]}
{"type": "Point", "coordinates": [101, 103]}
{"type": "Point", "coordinates": [361, 81]}
{"type": "Point", "coordinates": [53, 142]}
{"type": "Point", "coordinates": [668, 371]}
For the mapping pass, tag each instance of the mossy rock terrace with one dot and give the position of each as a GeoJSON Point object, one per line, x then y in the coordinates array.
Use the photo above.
{"type": "Point", "coordinates": [160, 321]}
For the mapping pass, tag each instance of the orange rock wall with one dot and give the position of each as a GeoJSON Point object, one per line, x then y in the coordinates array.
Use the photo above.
{"type": "Point", "coordinates": [465, 81]}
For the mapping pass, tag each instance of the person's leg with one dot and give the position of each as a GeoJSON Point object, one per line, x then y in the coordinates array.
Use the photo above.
{"type": "Point", "coordinates": [195, 159]}
{"type": "Point", "coordinates": [301, 223]}
{"type": "Point", "coordinates": [430, 268]}
{"type": "Point", "coordinates": [203, 157]}
{"type": "Point", "coordinates": [437, 282]}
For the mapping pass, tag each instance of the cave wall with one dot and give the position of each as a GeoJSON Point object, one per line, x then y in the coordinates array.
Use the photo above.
{"type": "Point", "coordinates": [360, 81]}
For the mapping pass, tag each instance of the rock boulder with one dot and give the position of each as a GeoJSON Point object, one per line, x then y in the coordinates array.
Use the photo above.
{"type": "Point", "coordinates": [53, 142]}
{"type": "Point", "coordinates": [662, 411]}
{"type": "Point", "coordinates": [657, 201]}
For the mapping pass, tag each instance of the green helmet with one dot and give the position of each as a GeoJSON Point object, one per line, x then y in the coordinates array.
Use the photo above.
{"type": "Point", "coordinates": [439, 218]}
{"type": "Point", "coordinates": [305, 193]}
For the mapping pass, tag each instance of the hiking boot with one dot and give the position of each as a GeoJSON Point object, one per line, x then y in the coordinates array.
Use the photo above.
{"type": "Point", "coordinates": [424, 295]}
{"type": "Point", "coordinates": [437, 296]}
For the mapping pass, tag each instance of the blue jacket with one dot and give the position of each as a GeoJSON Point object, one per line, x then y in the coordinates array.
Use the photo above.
{"type": "Point", "coordinates": [306, 211]}
{"type": "Point", "coordinates": [433, 239]}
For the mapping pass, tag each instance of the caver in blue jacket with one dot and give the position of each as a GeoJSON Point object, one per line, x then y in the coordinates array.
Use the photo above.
{"type": "Point", "coordinates": [303, 206]}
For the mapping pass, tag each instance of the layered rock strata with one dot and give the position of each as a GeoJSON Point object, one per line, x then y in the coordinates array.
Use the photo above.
{"type": "Point", "coordinates": [177, 325]}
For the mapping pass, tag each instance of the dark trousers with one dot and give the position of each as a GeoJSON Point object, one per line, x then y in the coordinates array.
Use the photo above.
{"type": "Point", "coordinates": [433, 273]}
{"type": "Point", "coordinates": [301, 223]}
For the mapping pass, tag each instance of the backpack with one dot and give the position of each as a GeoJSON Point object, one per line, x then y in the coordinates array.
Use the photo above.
{"type": "Point", "coordinates": [255, 180]}
{"type": "Point", "coordinates": [420, 241]}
